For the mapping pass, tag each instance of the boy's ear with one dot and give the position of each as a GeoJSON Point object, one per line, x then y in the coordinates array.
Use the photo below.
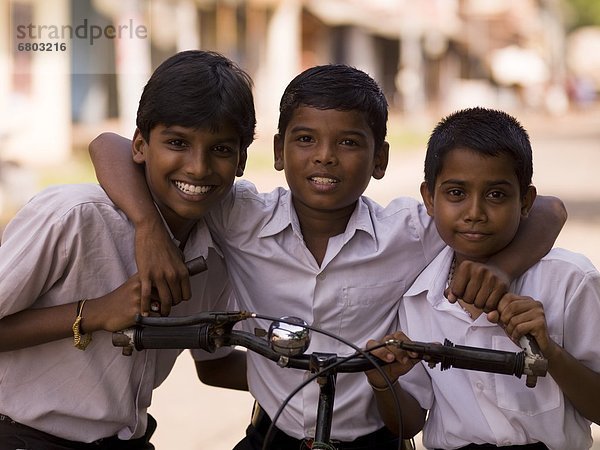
{"type": "Point", "coordinates": [278, 151]}
{"type": "Point", "coordinates": [382, 156]}
{"type": "Point", "coordinates": [528, 199]}
{"type": "Point", "coordinates": [138, 147]}
{"type": "Point", "coordinates": [427, 198]}
{"type": "Point", "coordinates": [242, 163]}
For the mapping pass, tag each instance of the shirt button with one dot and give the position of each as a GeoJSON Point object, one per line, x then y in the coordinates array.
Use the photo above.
{"type": "Point", "coordinates": [321, 276]}
{"type": "Point", "coordinates": [479, 385]}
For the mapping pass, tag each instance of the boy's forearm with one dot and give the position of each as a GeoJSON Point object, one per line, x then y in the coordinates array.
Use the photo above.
{"type": "Point", "coordinates": [122, 179]}
{"type": "Point", "coordinates": [228, 372]}
{"type": "Point", "coordinates": [32, 327]}
{"type": "Point", "coordinates": [536, 236]}
{"type": "Point", "coordinates": [580, 384]}
{"type": "Point", "coordinates": [157, 257]}
{"type": "Point", "coordinates": [413, 416]}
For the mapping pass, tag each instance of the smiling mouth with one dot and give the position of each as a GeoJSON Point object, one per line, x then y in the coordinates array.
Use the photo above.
{"type": "Point", "coordinates": [323, 180]}
{"type": "Point", "coordinates": [192, 189]}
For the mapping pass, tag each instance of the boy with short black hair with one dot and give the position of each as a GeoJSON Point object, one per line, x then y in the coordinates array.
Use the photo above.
{"type": "Point", "coordinates": [321, 251]}
{"type": "Point", "coordinates": [477, 188]}
{"type": "Point", "coordinates": [59, 388]}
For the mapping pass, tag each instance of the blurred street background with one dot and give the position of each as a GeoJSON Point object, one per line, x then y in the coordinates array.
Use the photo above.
{"type": "Point", "coordinates": [70, 69]}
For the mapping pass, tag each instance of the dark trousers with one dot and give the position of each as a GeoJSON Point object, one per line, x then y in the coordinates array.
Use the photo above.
{"type": "Point", "coordinates": [14, 435]}
{"type": "Point", "coordinates": [256, 433]}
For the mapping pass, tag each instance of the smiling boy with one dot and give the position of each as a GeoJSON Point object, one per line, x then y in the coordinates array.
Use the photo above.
{"type": "Point", "coordinates": [63, 385]}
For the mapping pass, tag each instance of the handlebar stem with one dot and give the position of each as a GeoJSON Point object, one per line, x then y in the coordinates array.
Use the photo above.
{"type": "Point", "coordinates": [326, 380]}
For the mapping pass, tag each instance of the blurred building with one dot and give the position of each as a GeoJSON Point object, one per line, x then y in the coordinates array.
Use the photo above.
{"type": "Point", "coordinates": [428, 55]}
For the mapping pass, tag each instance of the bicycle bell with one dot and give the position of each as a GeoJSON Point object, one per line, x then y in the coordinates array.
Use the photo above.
{"type": "Point", "coordinates": [289, 338]}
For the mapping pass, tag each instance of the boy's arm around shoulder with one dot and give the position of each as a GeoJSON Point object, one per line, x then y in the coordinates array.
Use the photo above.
{"type": "Point", "coordinates": [160, 263]}
{"type": "Point", "coordinates": [484, 285]}
{"type": "Point", "coordinates": [535, 237]}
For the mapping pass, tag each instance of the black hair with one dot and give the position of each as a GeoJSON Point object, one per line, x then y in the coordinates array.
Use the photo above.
{"type": "Point", "coordinates": [198, 89]}
{"type": "Point", "coordinates": [487, 131]}
{"type": "Point", "coordinates": [340, 87]}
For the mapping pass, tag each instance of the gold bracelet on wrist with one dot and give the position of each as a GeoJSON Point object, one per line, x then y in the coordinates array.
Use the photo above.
{"type": "Point", "coordinates": [80, 339]}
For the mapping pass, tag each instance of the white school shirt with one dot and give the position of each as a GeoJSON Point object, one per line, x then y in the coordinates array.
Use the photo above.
{"type": "Point", "coordinates": [477, 407]}
{"type": "Point", "coordinates": [69, 243]}
{"type": "Point", "coordinates": [354, 294]}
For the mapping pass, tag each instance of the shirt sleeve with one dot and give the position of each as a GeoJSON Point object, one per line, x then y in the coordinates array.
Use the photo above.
{"type": "Point", "coordinates": [417, 381]}
{"type": "Point", "coordinates": [220, 216]}
{"type": "Point", "coordinates": [68, 240]}
{"type": "Point", "coordinates": [430, 239]}
{"type": "Point", "coordinates": [32, 257]}
{"type": "Point", "coordinates": [582, 315]}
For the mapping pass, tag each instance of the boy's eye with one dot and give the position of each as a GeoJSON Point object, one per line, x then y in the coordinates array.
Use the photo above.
{"type": "Point", "coordinates": [223, 150]}
{"type": "Point", "coordinates": [176, 142]}
{"type": "Point", "coordinates": [304, 138]}
{"type": "Point", "coordinates": [497, 195]}
{"type": "Point", "coordinates": [455, 192]}
{"type": "Point", "coordinates": [349, 142]}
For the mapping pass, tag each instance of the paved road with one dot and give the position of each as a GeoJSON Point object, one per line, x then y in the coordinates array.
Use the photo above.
{"type": "Point", "coordinates": [567, 164]}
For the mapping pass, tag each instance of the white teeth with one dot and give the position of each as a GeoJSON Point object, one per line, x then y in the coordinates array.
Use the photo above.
{"type": "Point", "coordinates": [191, 189]}
{"type": "Point", "coordinates": [322, 180]}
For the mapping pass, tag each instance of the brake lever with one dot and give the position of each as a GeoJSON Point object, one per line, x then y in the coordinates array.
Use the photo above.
{"type": "Point", "coordinates": [216, 318]}
{"type": "Point", "coordinates": [536, 365]}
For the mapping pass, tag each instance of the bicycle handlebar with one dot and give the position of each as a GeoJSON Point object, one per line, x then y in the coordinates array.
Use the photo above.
{"type": "Point", "coordinates": [211, 330]}
{"type": "Point", "coordinates": [164, 334]}
{"type": "Point", "coordinates": [288, 338]}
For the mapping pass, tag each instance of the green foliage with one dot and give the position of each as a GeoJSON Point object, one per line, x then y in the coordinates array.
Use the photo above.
{"type": "Point", "coordinates": [581, 13]}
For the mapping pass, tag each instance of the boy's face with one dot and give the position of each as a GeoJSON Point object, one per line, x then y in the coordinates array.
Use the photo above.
{"type": "Point", "coordinates": [477, 204]}
{"type": "Point", "coordinates": [188, 170]}
{"type": "Point", "coordinates": [329, 158]}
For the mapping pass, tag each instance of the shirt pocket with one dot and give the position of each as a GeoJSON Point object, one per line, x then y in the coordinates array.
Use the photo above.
{"type": "Point", "coordinates": [512, 393]}
{"type": "Point", "coordinates": [367, 311]}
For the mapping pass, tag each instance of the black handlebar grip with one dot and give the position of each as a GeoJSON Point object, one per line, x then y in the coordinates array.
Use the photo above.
{"type": "Point", "coordinates": [173, 337]}
{"type": "Point", "coordinates": [485, 360]}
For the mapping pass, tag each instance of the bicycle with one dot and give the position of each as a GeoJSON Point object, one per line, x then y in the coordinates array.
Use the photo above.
{"type": "Point", "coordinates": [287, 340]}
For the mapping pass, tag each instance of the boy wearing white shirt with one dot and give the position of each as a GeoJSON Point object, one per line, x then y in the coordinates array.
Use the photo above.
{"type": "Point", "coordinates": [477, 188]}
{"type": "Point", "coordinates": [68, 269]}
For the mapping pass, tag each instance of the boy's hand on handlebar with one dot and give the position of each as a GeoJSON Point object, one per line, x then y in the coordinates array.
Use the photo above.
{"type": "Point", "coordinates": [479, 284]}
{"type": "Point", "coordinates": [401, 361]}
{"type": "Point", "coordinates": [116, 310]}
{"type": "Point", "coordinates": [163, 274]}
{"type": "Point", "coordinates": [521, 315]}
